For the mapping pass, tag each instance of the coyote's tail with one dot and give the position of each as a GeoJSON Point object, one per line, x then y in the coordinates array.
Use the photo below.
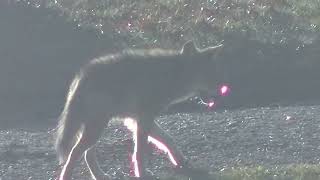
{"type": "Point", "coordinates": [69, 127]}
{"type": "Point", "coordinates": [67, 134]}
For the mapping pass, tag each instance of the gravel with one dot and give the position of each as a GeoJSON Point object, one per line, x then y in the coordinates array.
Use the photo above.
{"type": "Point", "coordinates": [268, 136]}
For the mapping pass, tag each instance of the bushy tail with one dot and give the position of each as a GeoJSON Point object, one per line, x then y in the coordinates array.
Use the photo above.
{"type": "Point", "coordinates": [67, 134]}
{"type": "Point", "coordinates": [69, 127]}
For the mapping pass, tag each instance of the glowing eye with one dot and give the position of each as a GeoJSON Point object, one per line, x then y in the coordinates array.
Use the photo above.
{"type": "Point", "coordinates": [224, 90]}
{"type": "Point", "coordinates": [211, 104]}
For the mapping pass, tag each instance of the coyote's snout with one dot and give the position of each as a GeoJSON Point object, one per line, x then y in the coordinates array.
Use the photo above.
{"type": "Point", "coordinates": [135, 84]}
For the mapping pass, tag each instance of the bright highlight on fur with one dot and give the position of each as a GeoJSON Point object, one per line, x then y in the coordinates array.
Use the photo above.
{"type": "Point", "coordinates": [133, 127]}
{"type": "Point", "coordinates": [131, 124]}
{"type": "Point", "coordinates": [64, 169]}
{"type": "Point", "coordinates": [164, 148]}
{"type": "Point", "coordinates": [209, 104]}
{"type": "Point", "coordinates": [134, 155]}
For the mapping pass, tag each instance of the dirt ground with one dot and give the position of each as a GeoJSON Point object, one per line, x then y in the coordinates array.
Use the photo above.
{"type": "Point", "coordinates": [269, 136]}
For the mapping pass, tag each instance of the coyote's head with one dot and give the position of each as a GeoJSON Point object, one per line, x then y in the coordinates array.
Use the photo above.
{"type": "Point", "coordinates": [205, 68]}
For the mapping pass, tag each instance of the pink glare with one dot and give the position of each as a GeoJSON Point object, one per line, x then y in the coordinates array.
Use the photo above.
{"type": "Point", "coordinates": [224, 90]}
{"type": "Point", "coordinates": [211, 104]}
{"type": "Point", "coordinates": [131, 124]}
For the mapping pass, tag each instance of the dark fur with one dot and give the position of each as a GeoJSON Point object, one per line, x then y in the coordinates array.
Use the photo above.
{"type": "Point", "coordinates": [134, 83]}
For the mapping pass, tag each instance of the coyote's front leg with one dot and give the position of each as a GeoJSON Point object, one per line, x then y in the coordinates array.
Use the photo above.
{"type": "Point", "coordinates": [154, 134]}
{"type": "Point", "coordinates": [164, 142]}
{"type": "Point", "coordinates": [176, 157]}
{"type": "Point", "coordinates": [140, 130]}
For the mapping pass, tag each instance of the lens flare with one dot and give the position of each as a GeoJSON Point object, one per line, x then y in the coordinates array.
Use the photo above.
{"type": "Point", "coordinates": [224, 90]}
{"type": "Point", "coordinates": [210, 104]}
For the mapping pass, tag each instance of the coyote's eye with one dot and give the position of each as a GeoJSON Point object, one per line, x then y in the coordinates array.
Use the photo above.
{"type": "Point", "coordinates": [211, 104]}
{"type": "Point", "coordinates": [224, 90]}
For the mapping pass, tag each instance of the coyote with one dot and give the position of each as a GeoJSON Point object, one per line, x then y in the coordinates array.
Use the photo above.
{"type": "Point", "coordinates": [136, 84]}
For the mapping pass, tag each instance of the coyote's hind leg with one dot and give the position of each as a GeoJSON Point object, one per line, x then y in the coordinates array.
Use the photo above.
{"type": "Point", "coordinates": [176, 157]}
{"type": "Point", "coordinates": [141, 148]}
{"type": "Point", "coordinates": [89, 137]}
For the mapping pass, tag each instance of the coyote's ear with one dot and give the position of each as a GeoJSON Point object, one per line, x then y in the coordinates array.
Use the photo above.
{"type": "Point", "coordinates": [212, 50]}
{"type": "Point", "coordinates": [189, 48]}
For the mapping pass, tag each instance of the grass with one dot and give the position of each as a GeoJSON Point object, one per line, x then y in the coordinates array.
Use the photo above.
{"type": "Point", "coordinates": [291, 172]}
{"type": "Point", "coordinates": [168, 23]}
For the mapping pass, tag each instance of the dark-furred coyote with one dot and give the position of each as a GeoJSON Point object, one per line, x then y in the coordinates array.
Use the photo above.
{"type": "Point", "coordinates": [135, 84]}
